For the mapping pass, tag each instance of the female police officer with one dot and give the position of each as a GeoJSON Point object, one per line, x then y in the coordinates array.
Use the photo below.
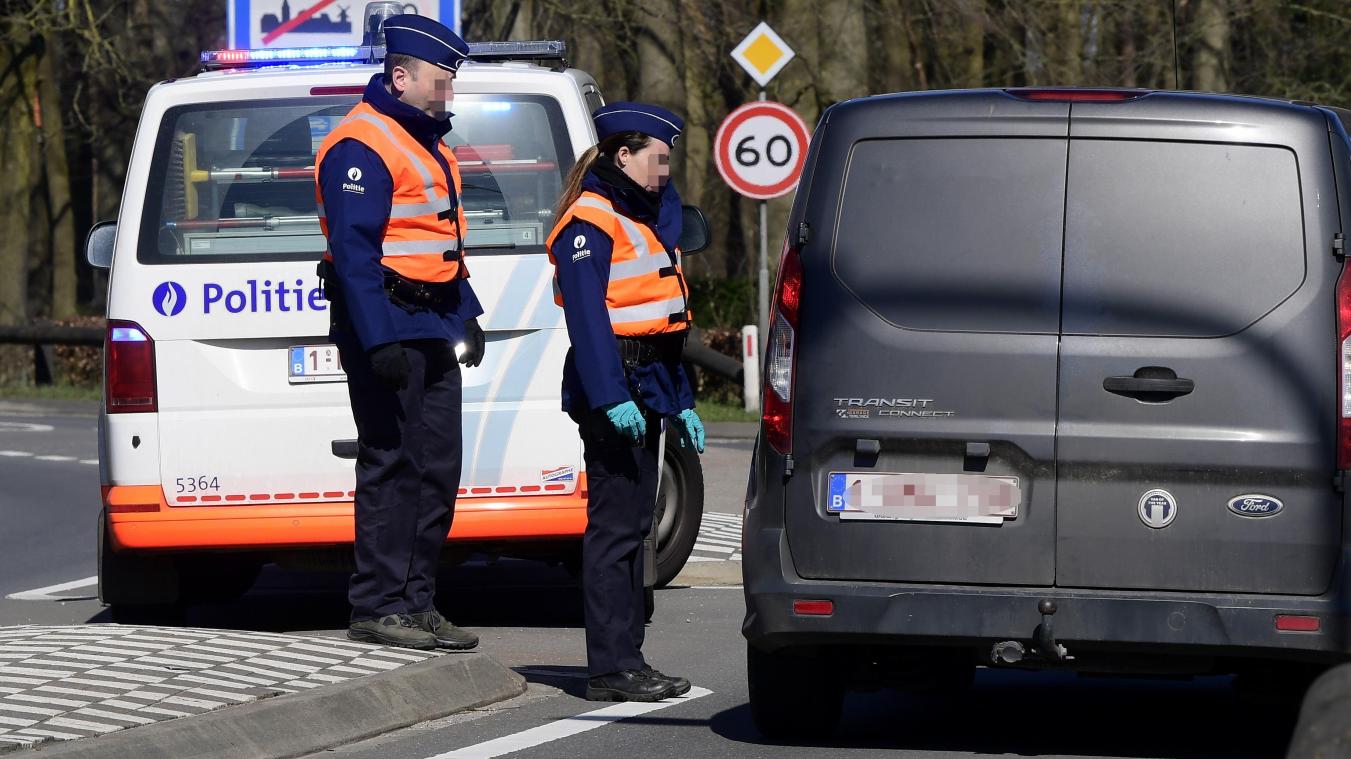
{"type": "Point", "coordinates": [618, 279]}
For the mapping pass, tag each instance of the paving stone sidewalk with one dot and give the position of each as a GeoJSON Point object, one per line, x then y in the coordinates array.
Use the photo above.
{"type": "Point", "coordinates": [66, 683]}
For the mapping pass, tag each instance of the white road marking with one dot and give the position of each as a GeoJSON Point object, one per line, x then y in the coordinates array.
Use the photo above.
{"type": "Point", "coordinates": [15, 454]}
{"type": "Point", "coordinates": [24, 427]}
{"type": "Point", "coordinates": [94, 462]}
{"type": "Point", "coordinates": [55, 458]}
{"type": "Point", "coordinates": [566, 728]}
{"type": "Point", "coordinates": [45, 594]}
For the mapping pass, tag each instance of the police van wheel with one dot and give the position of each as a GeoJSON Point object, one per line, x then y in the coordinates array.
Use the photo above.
{"type": "Point", "coordinates": [139, 590]}
{"type": "Point", "coordinates": [794, 696]}
{"type": "Point", "coordinates": [680, 510]}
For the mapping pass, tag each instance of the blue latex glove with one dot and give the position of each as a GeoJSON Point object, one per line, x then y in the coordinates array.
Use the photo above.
{"type": "Point", "coordinates": [694, 429]}
{"type": "Point", "coordinates": [628, 420]}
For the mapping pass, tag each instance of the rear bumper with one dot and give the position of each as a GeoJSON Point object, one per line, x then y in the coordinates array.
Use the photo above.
{"type": "Point", "coordinates": [1146, 622]}
{"type": "Point", "coordinates": [158, 527]}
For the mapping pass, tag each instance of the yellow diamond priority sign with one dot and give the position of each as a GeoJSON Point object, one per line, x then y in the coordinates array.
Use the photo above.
{"type": "Point", "coordinates": [763, 54]}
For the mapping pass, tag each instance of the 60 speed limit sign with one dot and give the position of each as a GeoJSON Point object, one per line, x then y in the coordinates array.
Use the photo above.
{"type": "Point", "coordinates": [760, 149]}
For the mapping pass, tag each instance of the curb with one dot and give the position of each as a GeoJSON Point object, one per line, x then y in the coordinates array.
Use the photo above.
{"type": "Point", "coordinates": [303, 723]}
{"type": "Point", "coordinates": [709, 573]}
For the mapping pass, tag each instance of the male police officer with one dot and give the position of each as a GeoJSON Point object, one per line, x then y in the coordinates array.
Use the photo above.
{"type": "Point", "coordinates": [389, 201]}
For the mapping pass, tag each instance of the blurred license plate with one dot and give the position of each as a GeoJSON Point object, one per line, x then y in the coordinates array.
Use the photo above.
{"type": "Point", "coordinates": [315, 363]}
{"type": "Point", "coordinates": [923, 497]}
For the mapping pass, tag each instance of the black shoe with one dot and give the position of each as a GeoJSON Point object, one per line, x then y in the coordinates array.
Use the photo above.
{"type": "Point", "coordinates": [447, 635]}
{"type": "Point", "coordinates": [392, 630]}
{"type": "Point", "coordinates": [629, 685]}
{"type": "Point", "coordinates": [682, 686]}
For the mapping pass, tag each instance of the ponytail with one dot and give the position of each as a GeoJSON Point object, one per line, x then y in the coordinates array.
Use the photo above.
{"type": "Point", "coordinates": [572, 185]}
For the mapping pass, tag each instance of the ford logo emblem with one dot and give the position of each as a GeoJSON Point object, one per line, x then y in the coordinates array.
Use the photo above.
{"type": "Point", "coordinates": [1255, 506]}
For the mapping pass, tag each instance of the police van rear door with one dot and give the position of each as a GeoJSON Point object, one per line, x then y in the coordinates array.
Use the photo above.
{"type": "Point", "coordinates": [251, 395]}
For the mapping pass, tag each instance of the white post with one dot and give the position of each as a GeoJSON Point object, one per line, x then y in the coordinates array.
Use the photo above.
{"type": "Point", "coordinates": [750, 365]}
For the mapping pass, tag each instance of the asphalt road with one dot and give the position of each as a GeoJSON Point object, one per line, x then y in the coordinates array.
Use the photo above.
{"type": "Point", "coordinates": [529, 618]}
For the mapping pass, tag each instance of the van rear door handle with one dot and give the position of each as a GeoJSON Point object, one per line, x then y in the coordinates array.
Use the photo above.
{"type": "Point", "coordinates": [1150, 384]}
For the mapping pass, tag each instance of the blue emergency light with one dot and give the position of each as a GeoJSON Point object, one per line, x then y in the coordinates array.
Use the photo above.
{"type": "Point", "coordinates": [279, 56]}
{"type": "Point", "coordinates": [537, 51]}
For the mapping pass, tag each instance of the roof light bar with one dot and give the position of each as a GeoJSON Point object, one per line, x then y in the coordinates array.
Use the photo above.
{"type": "Point", "coordinates": [224, 59]}
{"type": "Point", "coordinates": [532, 50]}
{"type": "Point", "coordinates": [480, 52]}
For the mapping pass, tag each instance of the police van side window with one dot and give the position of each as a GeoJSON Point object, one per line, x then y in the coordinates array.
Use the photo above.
{"type": "Point", "coordinates": [233, 182]}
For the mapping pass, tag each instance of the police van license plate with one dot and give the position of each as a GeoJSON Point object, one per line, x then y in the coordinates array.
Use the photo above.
{"type": "Point", "coordinates": [923, 497]}
{"type": "Point", "coordinates": [315, 363]}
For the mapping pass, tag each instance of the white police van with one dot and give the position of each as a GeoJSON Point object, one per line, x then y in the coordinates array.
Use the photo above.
{"type": "Point", "coordinates": [227, 441]}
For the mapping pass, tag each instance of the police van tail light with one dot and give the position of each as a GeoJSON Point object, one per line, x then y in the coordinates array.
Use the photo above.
{"type": "Point", "coordinates": [781, 354]}
{"type": "Point", "coordinates": [129, 369]}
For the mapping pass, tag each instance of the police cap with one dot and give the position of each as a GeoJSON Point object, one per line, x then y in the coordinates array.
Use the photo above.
{"type": "Point", "coordinates": [650, 120]}
{"type": "Point", "coordinates": [426, 40]}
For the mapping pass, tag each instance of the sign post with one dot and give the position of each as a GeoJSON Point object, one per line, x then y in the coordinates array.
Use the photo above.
{"type": "Point", "coordinates": [763, 54]}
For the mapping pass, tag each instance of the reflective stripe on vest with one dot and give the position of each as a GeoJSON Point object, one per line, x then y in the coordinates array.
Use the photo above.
{"type": "Point", "coordinates": [645, 294]}
{"type": "Point", "coordinates": [422, 240]}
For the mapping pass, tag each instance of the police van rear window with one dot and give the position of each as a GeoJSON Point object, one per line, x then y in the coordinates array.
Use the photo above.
{"type": "Point", "coordinates": [234, 182]}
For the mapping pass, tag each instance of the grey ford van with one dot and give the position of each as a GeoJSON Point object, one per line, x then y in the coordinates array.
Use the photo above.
{"type": "Point", "coordinates": [1055, 378]}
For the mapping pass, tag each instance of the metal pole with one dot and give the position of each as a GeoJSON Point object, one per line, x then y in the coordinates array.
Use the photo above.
{"type": "Point", "coordinates": [764, 268]}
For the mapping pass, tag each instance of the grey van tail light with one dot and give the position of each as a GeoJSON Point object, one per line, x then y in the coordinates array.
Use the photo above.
{"type": "Point", "coordinates": [781, 357]}
{"type": "Point", "coordinates": [1344, 336]}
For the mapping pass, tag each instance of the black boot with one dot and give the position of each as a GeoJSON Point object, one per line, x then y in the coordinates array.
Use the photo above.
{"type": "Point", "coordinates": [629, 685]}
{"type": "Point", "coordinates": [682, 686]}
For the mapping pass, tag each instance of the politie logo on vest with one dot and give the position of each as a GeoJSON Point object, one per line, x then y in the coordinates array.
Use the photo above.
{"type": "Point", "coordinates": [169, 299]}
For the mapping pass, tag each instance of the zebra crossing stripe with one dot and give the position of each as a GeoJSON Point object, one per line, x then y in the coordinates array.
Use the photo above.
{"type": "Point", "coordinates": [135, 720]}
{"type": "Point", "coordinates": [80, 724]}
{"type": "Point", "coordinates": [16, 721]}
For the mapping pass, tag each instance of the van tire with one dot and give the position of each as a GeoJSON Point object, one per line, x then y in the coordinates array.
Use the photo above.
{"type": "Point", "coordinates": [682, 489]}
{"type": "Point", "coordinates": [133, 580]}
{"type": "Point", "coordinates": [794, 696]}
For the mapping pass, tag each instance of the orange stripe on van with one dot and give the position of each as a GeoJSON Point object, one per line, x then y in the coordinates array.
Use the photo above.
{"type": "Point", "coordinates": [139, 519]}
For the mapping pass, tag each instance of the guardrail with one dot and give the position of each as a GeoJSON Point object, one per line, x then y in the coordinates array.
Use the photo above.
{"type": "Point", "coordinates": [42, 337]}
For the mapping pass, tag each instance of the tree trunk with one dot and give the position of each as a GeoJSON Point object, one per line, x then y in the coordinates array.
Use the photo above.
{"type": "Point", "coordinates": [57, 169]}
{"type": "Point", "coordinates": [19, 165]}
{"type": "Point", "coordinates": [1210, 60]}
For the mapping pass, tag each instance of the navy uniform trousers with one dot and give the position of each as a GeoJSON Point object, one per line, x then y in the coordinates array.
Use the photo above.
{"type": "Point", "coordinates": [408, 472]}
{"type": "Point", "coordinates": [621, 481]}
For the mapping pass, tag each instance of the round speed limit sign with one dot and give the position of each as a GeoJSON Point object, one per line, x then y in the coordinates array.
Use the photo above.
{"type": "Point", "coordinates": [760, 149]}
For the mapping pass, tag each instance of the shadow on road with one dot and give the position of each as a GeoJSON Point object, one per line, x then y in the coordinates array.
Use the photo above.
{"type": "Point", "coordinates": [478, 594]}
{"type": "Point", "coordinates": [1056, 714]}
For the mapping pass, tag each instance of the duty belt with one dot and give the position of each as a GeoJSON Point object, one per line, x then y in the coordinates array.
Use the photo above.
{"type": "Point", "coordinates": [411, 292]}
{"type": "Point", "coordinates": [666, 348]}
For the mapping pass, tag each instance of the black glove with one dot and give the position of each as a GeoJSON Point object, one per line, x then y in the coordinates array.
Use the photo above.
{"type": "Point", "coordinates": [474, 344]}
{"type": "Point", "coordinates": [390, 364]}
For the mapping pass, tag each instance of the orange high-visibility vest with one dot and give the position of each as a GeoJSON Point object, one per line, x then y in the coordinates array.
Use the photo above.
{"type": "Point", "coordinates": [423, 237]}
{"type": "Point", "coordinates": [646, 294]}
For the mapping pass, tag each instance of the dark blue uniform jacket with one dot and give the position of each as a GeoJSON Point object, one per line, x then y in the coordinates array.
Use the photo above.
{"type": "Point", "coordinates": [593, 375]}
{"type": "Point", "coordinates": [356, 225]}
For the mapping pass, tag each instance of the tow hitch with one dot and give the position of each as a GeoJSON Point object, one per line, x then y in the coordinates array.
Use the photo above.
{"type": "Point", "coordinates": [1045, 650]}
